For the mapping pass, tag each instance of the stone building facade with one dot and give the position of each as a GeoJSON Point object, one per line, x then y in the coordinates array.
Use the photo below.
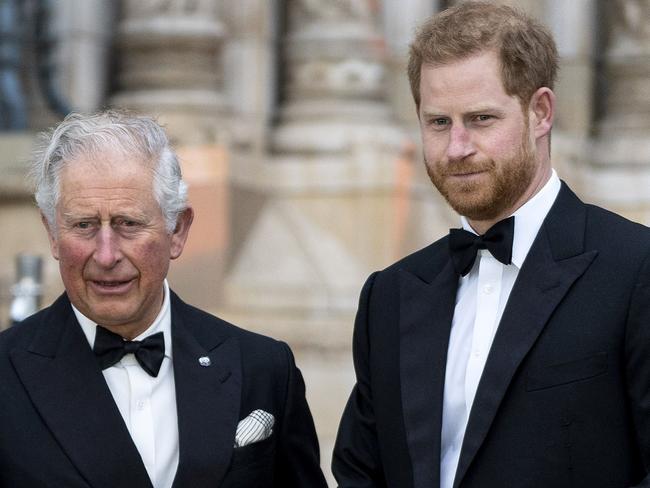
{"type": "Point", "coordinates": [299, 141]}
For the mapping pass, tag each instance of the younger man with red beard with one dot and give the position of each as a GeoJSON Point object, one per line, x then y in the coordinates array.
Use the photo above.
{"type": "Point", "coordinates": [514, 352]}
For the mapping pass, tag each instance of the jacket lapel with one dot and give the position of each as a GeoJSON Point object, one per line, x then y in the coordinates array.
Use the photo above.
{"type": "Point", "coordinates": [66, 386]}
{"type": "Point", "coordinates": [207, 398]}
{"type": "Point", "coordinates": [556, 259]}
{"type": "Point", "coordinates": [426, 311]}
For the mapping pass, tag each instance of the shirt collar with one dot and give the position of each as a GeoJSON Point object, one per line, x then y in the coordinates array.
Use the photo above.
{"type": "Point", "coordinates": [529, 218]}
{"type": "Point", "coordinates": [162, 323]}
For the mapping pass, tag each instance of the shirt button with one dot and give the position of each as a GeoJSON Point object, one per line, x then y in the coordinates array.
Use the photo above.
{"type": "Point", "coordinates": [487, 289]}
{"type": "Point", "coordinates": [140, 405]}
{"type": "Point", "coordinates": [477, 353]}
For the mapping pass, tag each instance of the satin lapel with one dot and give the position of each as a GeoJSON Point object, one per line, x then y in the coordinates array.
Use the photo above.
{"type": "Point", "coordinates": [555, 261]}
{"type": "Point", "coordinates": [426, 311]}
{"type": "Point", "coordinates": [66, 386]}
{"type": "Point", "coordinates": [207, 399]}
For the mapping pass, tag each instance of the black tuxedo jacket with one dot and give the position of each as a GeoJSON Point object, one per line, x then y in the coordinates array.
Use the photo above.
{"type": "Point", "coordinates": [59, 425]}
{"type": "Point", "coordinates": [564, 399]}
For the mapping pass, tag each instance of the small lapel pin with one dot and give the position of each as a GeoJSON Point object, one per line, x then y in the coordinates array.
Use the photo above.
{"type": "Point", "coordinates": [205, 361]}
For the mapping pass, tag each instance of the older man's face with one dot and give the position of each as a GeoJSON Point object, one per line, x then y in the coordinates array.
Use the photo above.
{"type": "Point", "coordinates": [111, 243]}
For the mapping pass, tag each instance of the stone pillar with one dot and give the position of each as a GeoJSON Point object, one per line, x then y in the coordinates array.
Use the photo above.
{"type": "Point", "coordinates": [169, 65]}
{"type": "Point", "coordinates": [322, 207]}
{"type": "Point", "coordinates": [619, 176]}
{"type": "Point", "coordinates": [400, 20]}
{"type": "Point", "coordinates": [308, 202]}
{"type": "Point", "coordinates": [251, 62]}
{"type": "Point", "coordinates": [575, 29]}
{"type": "Point", "coordinates": [84, 30]}
{"type": "Point", "coordinates": [574, 25]}
{"type": "Point", "coordinates": [335, 78]}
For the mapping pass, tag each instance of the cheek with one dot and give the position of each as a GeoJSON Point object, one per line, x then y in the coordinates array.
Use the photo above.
{"type": "Point", "coordinates": [151, 257]}
{"type": "Point", "coordinates": [506, 144]}
{"type": "Point", "coordinates": [73, 256]}
{"type": "Point", "coordinates": [433, 145]}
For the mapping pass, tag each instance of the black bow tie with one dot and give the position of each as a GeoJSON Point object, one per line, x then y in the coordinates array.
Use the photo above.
{"type": "Point", "coordinates": [110, 348]}
{"type": "Point", "coordinates": [463, 245]}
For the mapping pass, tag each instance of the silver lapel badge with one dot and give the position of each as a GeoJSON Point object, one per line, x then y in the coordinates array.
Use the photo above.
{"type": "Point", "coordinates": [205, 361]}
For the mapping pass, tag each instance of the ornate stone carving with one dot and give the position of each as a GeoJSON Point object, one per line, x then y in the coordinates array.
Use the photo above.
{"type": "Point", "coordinates": [170, 65]}
{"type": "Point", "coordinates": [335, 72]}
{"type": "Point", "coordinates": [337, 11]}
{"type": "Point", "coordinates": [177, 8]}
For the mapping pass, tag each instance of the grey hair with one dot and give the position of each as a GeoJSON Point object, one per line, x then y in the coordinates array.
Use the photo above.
{"type": "Point", "coordinates": [88, 135]}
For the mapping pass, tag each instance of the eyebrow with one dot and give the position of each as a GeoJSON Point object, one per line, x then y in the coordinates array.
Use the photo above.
{"type": "Point", "coordinates": [488, 110]}
{"type": "Point", "coordinates": [79, 215]}
{"type": "Point", "coordinates": [474, 111]}
{"type": "Point", "coordinates": [68, 216]}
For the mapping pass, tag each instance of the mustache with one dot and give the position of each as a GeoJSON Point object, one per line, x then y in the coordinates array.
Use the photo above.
{"type": "Point", "coordinates": [461, 167]}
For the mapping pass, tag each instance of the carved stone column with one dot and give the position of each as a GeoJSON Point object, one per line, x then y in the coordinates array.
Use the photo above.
{"type": "Point", "coordinates": [400, 20]}
{"type": "Point", "coordinates": [84, 33]}
{"type": "Point", "coordinates": [574, 26]}
{"type": "Point", "coordinates": [335, 77]}
{"type": "Point", "coordinates": [333, 157]}
{"type": "Point", "coordinates": [620, 172]}
{"type": "Point", "coordinates": [169, 65]}
{"type": "Point", "coordinates": [250, 61]}
{"type": "Point", "coordinates": [322, 207]}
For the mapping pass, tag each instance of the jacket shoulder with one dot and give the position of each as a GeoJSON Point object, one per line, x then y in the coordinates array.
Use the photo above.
{"type": "Point", "coordinates": [424, 263]}
{"type": "Point", "coordinates": [23, 333]}
{"type": "Point", "coordinates": [600, 216]}
{"type": "Point", "coordinates": [203, 322]}
{"type": "Point", "coordinates": [608, 230]}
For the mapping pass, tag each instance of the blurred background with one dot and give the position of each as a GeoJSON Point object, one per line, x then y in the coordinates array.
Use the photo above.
{"type": "Point", "coordinates": [298, 137]}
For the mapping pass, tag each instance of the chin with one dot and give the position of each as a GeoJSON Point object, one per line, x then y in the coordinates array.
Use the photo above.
{"type": "Point", "coordinates": [472, 206]}
{"type": "Point", "coordinates": [112, 317]}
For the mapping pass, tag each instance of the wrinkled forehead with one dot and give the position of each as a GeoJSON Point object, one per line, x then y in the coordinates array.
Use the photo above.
{"type": "Point", "coordinates": [107, 158]}
{"type": "Point", "coordinates": [106, 169]}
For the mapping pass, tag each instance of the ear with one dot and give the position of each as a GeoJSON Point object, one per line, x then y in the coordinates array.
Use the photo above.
{"type": "Point", "coordinates": [51, 236]}
{"type": "Point", "coordinates": [541, 110]}
{"type": "Point", "coordinates": [182, 230]}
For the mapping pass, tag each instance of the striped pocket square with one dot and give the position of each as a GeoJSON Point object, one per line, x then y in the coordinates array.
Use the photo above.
{"type": "Point", "coordinates": [254, 428]}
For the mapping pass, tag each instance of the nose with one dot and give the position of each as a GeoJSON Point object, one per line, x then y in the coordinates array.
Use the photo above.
{"type": "Point", "coordinates": [107, 250]}
{"type": "Point", "coordinates": [460, 143]}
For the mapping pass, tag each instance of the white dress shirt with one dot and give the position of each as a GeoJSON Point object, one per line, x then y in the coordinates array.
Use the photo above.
{"type": "Point", "coordinates": [147, 404]}
{"type": "Point", "coordinates": [480, 301]}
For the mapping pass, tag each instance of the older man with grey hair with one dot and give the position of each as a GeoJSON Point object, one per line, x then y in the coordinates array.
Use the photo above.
{"type": "Point", "coordinates": [119, 383]}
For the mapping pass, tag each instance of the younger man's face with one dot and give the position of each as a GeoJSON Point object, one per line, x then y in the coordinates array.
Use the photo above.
{"type": "Point", "coordinates": [478, 147]}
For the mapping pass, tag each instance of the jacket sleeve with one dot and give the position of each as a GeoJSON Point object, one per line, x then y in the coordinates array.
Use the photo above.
{"type": "Point", "coordinates": [298, 456]}
{"type": "Point", "coordinates": [356, 461]}
{"type": "Point", "coordinates": [638, 365]}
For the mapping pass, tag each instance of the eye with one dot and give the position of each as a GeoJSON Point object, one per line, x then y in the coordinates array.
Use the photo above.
{"type": "Point", "coordinates": [438, 123]}
{"type": "Point", "coordinates": [483, 118]}
{"type": "Point", "coordinates": [126, 224]}
{"type": "Point", "coordinates": [82, 227]}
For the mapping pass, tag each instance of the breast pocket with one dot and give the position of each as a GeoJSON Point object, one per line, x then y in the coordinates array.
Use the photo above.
{"type": "Point", "coordinates": [566, 372]}
{"type": "Point", "coordinates": [256, 453]}
{"type": "Point", "coordinates": [251, 466]}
